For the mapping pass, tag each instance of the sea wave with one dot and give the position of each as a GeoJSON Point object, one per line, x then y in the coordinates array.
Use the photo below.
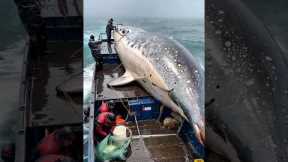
{"type": "Point", "coordinates": [10, 73]}
{"type": "Point", "coordinates": [87, 82]}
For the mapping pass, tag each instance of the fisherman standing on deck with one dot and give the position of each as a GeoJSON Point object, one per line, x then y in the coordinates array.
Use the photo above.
{"type": "Point", "coordinates": [96, 51]}
{"type": "Point", "coordinates": [109, 28]}
{"type": "Point", "coordinates": [92, 44]}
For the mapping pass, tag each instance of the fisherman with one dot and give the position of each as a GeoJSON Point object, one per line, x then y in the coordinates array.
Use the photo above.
{"type": "Point", "coordinates": [120, 120]}
{"type": "Point", "coordinates": [109, 28]}
{"type": "Point", "coordinates": [93, 45]}
{"type": "Point", "coordinates": [57, 142]}
{"type": "Point", "coordinates": [104, 125]}
{"type": "Point", "coordinates": [8, 153]}
{"type": "Point", "coordinates": [96, 51]}
{"type": "Point", "coordinates": [104, 107]}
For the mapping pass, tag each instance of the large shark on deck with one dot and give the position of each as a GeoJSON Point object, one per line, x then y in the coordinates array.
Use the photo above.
{"type": "Point", "coordinates": [165, 69]}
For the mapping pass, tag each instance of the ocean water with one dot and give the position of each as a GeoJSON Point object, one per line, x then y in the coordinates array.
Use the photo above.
{"type": "Point", "coordinates": [189, 32]}
{"type": "Point", "coordinates": [12, 48]}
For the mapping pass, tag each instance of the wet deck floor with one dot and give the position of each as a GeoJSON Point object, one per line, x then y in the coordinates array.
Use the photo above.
{"type": "Point", "coordinates": [49, 70]}
{"type": "Point", "coordinates": [107, 48]}
{"type": "Point", "coordinates": [156, 144]}
{"type": "Point", "coordinates": [110, 72]}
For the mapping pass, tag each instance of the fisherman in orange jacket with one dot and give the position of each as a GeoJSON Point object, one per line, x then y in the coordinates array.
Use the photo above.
{"type": "Point", "coordinates": [120, 120]}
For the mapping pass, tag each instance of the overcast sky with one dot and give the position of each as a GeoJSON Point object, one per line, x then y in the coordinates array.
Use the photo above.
{"type": "Point", "coordinates": [144, 8]}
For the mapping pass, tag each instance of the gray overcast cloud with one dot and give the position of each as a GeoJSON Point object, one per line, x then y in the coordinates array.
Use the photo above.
{"type": "Point", "coordinates": [144, 8]}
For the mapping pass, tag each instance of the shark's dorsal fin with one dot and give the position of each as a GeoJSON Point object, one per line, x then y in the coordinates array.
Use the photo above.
{"type": "Point", "coordinates": [122, 80]}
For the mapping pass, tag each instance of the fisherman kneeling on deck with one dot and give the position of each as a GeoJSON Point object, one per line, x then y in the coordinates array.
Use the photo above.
{"type": "Point", "coordinates": [104, 125]}
{"type": "Point", "coordinates": [106, 121]}
{"type": "Point", "coordinates": [56, 146]}
{"type": "Point", "coordinates": [8, 153]}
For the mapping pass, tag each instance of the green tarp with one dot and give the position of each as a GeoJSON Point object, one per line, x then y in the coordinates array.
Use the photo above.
{"type": "Point", "coordinates": [112, 148]}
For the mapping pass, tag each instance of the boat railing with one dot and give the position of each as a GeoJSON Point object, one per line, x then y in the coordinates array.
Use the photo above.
{"type": "Point", "coordinates": [100, 37]}
{"type": "Point", "coordinates": [117, 26]}
{"type": "Point", "coordinates": [24, 99]}
{"type": "Point", "coordinates": [91, 150]}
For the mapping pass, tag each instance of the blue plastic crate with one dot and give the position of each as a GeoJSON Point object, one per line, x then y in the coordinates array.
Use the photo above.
{"type": "Point", "coordinates": [145, 108]}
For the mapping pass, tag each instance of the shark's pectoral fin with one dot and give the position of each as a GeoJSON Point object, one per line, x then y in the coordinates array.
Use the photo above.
{"type": "Point", "coordinates": [162, 88]}
{"type": "Point", "coordinates": [124, 79]}
{"type": "Point", "coordinates": [163, 96]}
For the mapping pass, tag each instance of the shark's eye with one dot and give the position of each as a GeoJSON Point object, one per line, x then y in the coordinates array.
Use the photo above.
{"type": "Point", "coordinates": [123, 32]}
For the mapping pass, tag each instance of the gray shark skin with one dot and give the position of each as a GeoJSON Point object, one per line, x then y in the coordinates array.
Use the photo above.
{"type": "Point", "coordinates": [166, 70]}
{"type": "Point", "coordinates": [246, 75]}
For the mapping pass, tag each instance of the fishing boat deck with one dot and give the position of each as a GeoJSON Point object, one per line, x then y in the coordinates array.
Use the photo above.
{"type": "Point", "coordinates": [107, 48]}
{"type": "Point", "coordinates": [150, 141]}
{"type": "Point", "coordinates": [156, 144]}
{"type": "Point", "coordinates": [107, 74]}
{"type": "Point", "coordinates": [49, 70]}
